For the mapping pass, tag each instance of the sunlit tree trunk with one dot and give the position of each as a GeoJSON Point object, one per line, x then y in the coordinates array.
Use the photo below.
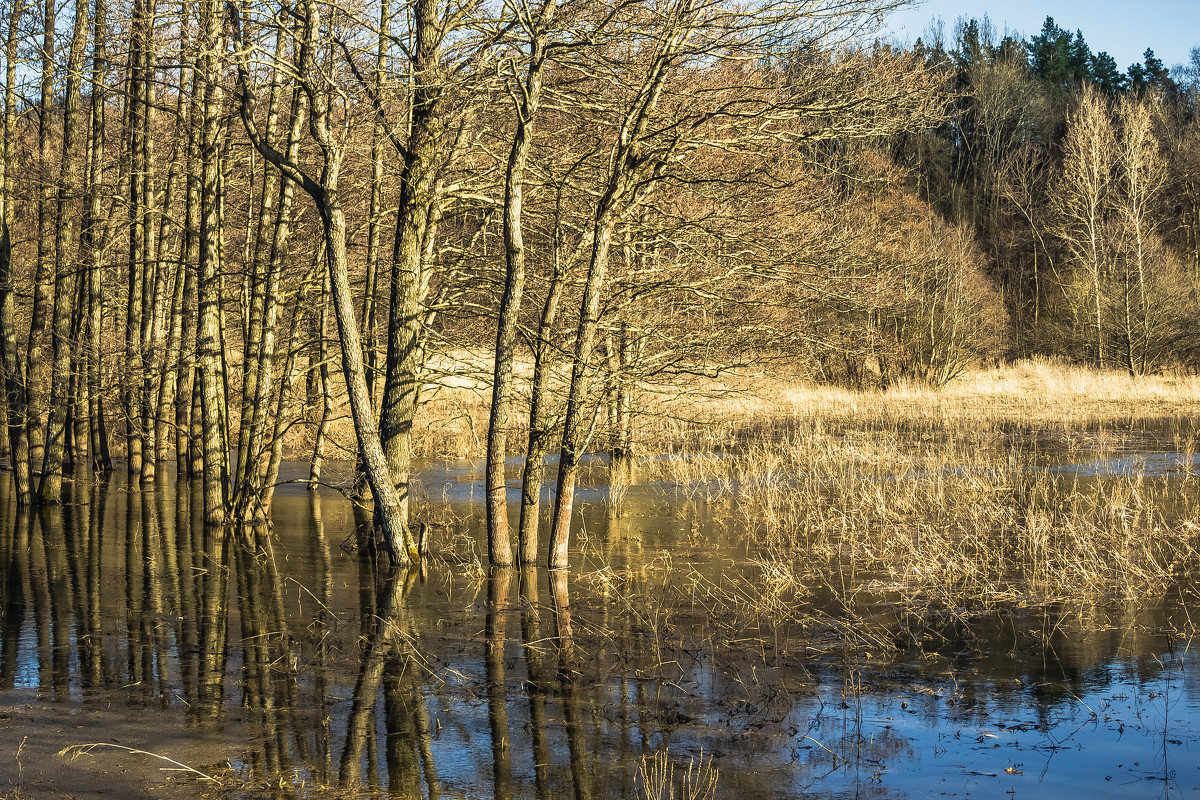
{"type": "Point", "coordinates": [66, 267]}
{"type": "Point", "coordinates": [415, 225]}
{"type": "Point", "coordinates": [141, 246]}
{"type": "Point", "coordinates": [174, 320]}
{"type": "Point", "coordinates": [38, 364]}
{"type": "Point", "coordinates": [374, 228]}
{"type": "Point", "coordinates": [389, 510]}
{"type": "Point", "coordinates": [90, 336]}
{"type": "Point", "coordinates": [526, 101]}
{"type": "Point", "coordinates": [209, 341]}
{"type": "Point", "coordinates": [622, 186]}
{"type": "Point", "coordinates": [283, 394]}
{"type": "Point", "coordinates": [14, 378]}
{"type": "Point", "coordinates": [574, 433]}
{"type": "Point", "coordinates": [274, 231]}
{"type": "Point", "coordinates": [319, 387]}
{"type": "Point", "coordinates": [540, 418]}
{"type": "Point", "coordinates": [189, 451]}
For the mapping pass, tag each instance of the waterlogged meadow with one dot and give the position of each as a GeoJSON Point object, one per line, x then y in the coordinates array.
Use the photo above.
{"type": "Point", "coordinates": [980, 591]}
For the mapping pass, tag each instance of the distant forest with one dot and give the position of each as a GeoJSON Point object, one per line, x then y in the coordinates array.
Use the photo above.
{"type": "Point", "coordinates": [225, 223]}
{"type": "Point", "coordinates": [1078, 183]}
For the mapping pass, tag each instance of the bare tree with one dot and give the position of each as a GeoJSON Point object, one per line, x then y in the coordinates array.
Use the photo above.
{"type": "Point", "coordinates": [314, 84]}
{"type": "Point", "coordinates": [1082, 198]}
{"type": "Point", "coordinates": [14, 377]}
{"type": "Point", "coordinates": [1142, 172]}
{"type": "Point", "coordinates": [691, 94]}
{"type": "Point", "coordinates": [526, 92]}
{"type": "Point", "coordinates": [66, 268]}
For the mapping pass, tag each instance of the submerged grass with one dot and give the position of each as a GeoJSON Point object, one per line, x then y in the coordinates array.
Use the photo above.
{"type": "Point", "coordinates": [1019, 486]}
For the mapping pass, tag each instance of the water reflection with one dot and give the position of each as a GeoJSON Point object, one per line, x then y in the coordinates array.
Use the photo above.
{"type": "Point", "coordinates": [301, 664]}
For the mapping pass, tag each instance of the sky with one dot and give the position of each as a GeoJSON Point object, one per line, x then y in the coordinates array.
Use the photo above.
{"type": "Point", "coordinates": [1123, 28]}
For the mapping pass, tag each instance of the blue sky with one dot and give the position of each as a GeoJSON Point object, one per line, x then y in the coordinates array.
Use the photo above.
{"type": "Point", "coordinates": [1123, 28]}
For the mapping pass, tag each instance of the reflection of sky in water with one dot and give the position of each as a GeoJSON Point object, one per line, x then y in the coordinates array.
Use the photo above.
{"type": "Point", "coordinates": [786, 723]}
{"type": "Point", "coordinates": [1155, 464]}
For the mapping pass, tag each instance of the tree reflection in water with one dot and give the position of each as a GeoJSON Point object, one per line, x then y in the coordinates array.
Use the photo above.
{"type": "Point", "coordinates": [305, 664]}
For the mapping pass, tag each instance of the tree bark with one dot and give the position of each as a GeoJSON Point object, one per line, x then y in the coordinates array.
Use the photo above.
{"type": "Point", "coordinates": [14, 379]}
{"type": "Point", "coordinates": [209, 341]}
{"type": "Point", "coordinates": [38, 366]}
{"type": "Point", "coordinates": [526, 103]}
{"type": "Point", "coordinates": [416, 216]}
{"type": "Point", "coordinates": [389, 510]}
{"type": "Point", "coordinates": [66, 269]}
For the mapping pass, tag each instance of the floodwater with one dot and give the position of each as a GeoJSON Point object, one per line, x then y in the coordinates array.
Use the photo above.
{"type": "Point", "coordinates": [286, 663]}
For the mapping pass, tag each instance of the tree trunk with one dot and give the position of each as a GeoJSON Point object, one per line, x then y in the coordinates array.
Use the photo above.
{"type": "Point", "coordinates": [209, 341]}
{"type": "Point", "coordinates": [573, 428]}
{"type": "Point", "coordinates": [38, 365]}
{"type": "Point", "coordinates": [92, 254]}
{"type": "Point", "coordinates": [66, 268]}
{"type": "Point", "coordinates": [320, 383]}
{"type": "Point", "coordinates": [389, 509]}
{"type": "Point", "coordinates": [374, 232]}
{"type": "Point", "coordinates": [499, 539]}
{"type": "Point", "coordinates": [539, 418]}
{"type": "Point", "coordinates": [14, 379]}
{"type": "Point", "coordinates": [415, 221]}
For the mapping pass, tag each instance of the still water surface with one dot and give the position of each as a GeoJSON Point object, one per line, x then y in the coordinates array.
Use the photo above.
{"type": "Point", "coordinates": [286, 662]}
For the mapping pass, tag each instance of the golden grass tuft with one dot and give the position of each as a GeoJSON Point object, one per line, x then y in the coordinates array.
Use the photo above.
{"type": "Point", "coordinates": [658, 779]}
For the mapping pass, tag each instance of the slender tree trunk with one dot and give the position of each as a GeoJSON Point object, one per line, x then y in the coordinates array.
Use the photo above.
{"type": "Point", "coordinates": [139, 117]}
{"type": "Point", "coordinates": [189, 450]}
{"type": "Point", "coordinates": [499, 539]}
{"type": "Point", "coordinates": [283, 394]}
{"type": "Point", "coordinates": [258, 298]}
{"type": "Point", "coordinates": [621, 462]}
{"type": "Point", "coordinates": [180, 170]}
{"type": "Point", "coordinates": [66, 268]}
{"type": "Point", "coordinates": [415, 220]}
{"type": "Point", "coordinates": [374, 230]}
{"type": "Point", "coordinates": [388, 506]}
{"type": "Point", "coordinates": [38, 368]}
{"type": "Point", "coordinates": [151, 295]}
{"type": "Point", "coordinates": [80, 398]}
{"type": "Point", "coordinates": [209, 342]}
{"type": "Point", "coordinates": [92, 252]}
{"type": "Point", "coordinates": [14, 378]}
{"type": "Point", "coordinates": [256, 486]}
{"type": "Point", "coordinates": [622, 189]}
{"type": "Point", "coordinates": [540, 435]}
{"type": "Point", "coordinates": [320, 383]}
{"type": "Point", "coordinates": [577, 396]}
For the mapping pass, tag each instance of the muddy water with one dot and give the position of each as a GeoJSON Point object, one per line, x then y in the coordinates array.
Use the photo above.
{"type": "Point", "coordinates": [282, 664]}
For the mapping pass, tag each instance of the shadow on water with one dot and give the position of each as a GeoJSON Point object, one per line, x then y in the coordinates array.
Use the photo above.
{"type": "Point", "coordinates": [281, 663]}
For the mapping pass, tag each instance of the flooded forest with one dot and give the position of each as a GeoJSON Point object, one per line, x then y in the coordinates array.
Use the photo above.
{"type": "Point", "coordinates": [596, 399]}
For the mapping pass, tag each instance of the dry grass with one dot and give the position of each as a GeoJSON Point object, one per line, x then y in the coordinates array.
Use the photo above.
{"type": "Point", "coordinates": [948, 501]}
{"type": "Point", "coordinates": [1040, 394]}
{"type": "Point", "coordinates": [657, 778]}
{"type": "Point", "coordinates": [941, 500]}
